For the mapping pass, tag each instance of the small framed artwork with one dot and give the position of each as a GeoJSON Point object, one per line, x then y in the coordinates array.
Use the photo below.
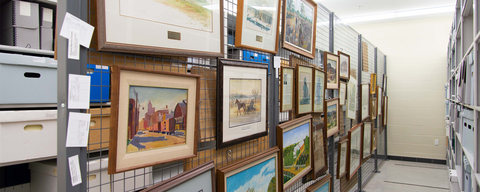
{"type": "Point", "coordinates": [241, 101]}
{"type": "Point", "coordinates": [259, 172]}
{"type": "Point", "coordinates": [304, 90]}
{"type": "Point", "coordinates": [374, 139]}
{"type": "Point", "coordinates": [379, 100]}
{"type": "Point", "coordinates": [319, 91]}
{"type": "Point", "coordinates": [342, 157]}
{"type": "Point", "coordinates": [365, 98]}
{"type": "Point", "coordinates": [138, 137]}
{"type": "Point", "coordinates": [367, 140]}
{"type": "Point", "coordinates": [352, 99]}
{"type": "Point", "coordinates": [319, 150]}
{"type": "Point", "coordinates": [294, 139]}
{"type": "Point", "coordinates": [385, 110]}
{"type": "Point", "coordinates": [332, 116]}
{"type": "Point", "coordinates": [373, 108]}
{"type": "Point", "coordinates": [343, 92]}
{"type": "Point", "coordinates": [354, 155]}
{"type": "Point", "coordinates": [373, 83]}
{"type": "Point", "coordinates": [201, 178]}
{"type": "Point", "coordinates": [331, 66]}
{"type": "Point", "coordinates": [286, 89]}
{"type": "Point", "coordinates": [300, 26]}
{"type": "Point", "coordinates": [323, 185]}
{"type": "Point", "coordinates": [257, 25]}
{"type": "Point", "coordinates": [344, 65]}
{"type": "Point", "coordinates": [161, 27]}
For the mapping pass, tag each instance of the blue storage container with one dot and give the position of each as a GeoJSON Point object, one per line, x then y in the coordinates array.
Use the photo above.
{"type": "Point", "coordinates": [256, 57]}
{"type": "Point", "coordinates": [100, 83]}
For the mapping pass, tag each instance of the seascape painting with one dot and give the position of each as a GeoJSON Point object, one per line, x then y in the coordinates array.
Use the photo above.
{"type": "Point", "coordinates": [331, 71]}
{"type": "Point", "coordinates": [244, 101]}
{"type": "Point", "coordinates": [319, 90]}
{"type": "Point", "coordinates": [299, 24]}
{"type": "Point", "coordinates": [332, 116]}
{"type": "Point", "coordinates": [260, 177]}
{"type": "Point", "coordinates": [156, 118]}
{"type": "Point", "coordinates": [260, 14]}
{"type": "Point", "coordinates": [193, 14]}
{"type": "Point", "coordinates": [355, 149]}
{"type": "Point", "coordinates": [296, 151]}
{"type": "Point", "coordinates": [304, 88]}
{"type": "Point", "coordinates": [319, 150]}
{"type": "Point", "coordinates": [343, 66]}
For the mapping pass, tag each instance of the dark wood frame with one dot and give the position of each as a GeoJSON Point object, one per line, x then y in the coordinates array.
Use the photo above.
{"type": "Point", "coordinates": [371, 139]}
{"type": "Point", "coordinates": [338, 116]}
{"type": "Point", "coordinates": [368, 117]}
{"type": "Point", "coordinates": [339, 155]}
{"type": "Point", "coordinates": [339, 90]}
{"type": "Point", "coordinates": [378, 102]}
{"type": "Point", "coordinates": [184, 177]}
{"type": "Point", "coordinates": [103, 45]}
{"type": "Point", "coordinates": [297, 94]}
{"type": "Point", "coordinates": [221, 172]}
{"type": "Point", "coordinates": [280, 128]}
{"type": "Point", "coordinates": [112, 163]}
{"type": "Point", "coordinates": [385, 109]}
{"type": "Point", "coordinates": [314, 70]}
{"type": "Point", "coordinates": [281, 88]}
{"type": "Point", "coordinates": [320, 183]}
{"type": "Point", "coordinates": [220, 77]}
{"type": "Point", "coordinates": [325, 62]}
{"type": "Point", "coordinates": [310, 54]}
{"type": "Point", "coordinates": [358, 126]}
{"type": "Point", "coordinates": [373, 83]}
{"type": "Point", "coordinates": [323, 170]}
{"type": "Point", "coordinates": [347, 55]}
{"type": "Point", "coordinates": [238, 32]}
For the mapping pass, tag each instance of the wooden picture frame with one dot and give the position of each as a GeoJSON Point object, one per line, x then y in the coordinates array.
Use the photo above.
{"type": "Point", "coordinates": [331, 66]}
{"type": "Point", "coordinates": [287, 79]}
{"type": "Point", "coordinates": [385, 109]}
{"type": "Point", "coordinates": [304, 89]}
{"type": "Point", "coordinates": [248, 119]}
{"type": "Point", "coordinates": [248, 171]}
{"type": "Point", "coordinates": [332, 105]}
{"type": "Point", "coordinates": [251, 33]}
{"type": "Point", "coordinates": [155, 33]}
{"type": "Point", "coordinates": [133, 88]}
{"type": "Point", "coordinates": [324, 184]}
{"type": "Point", "coordinates": [342, 157]}
{"type": "Point", "coordinates": [379, 100]}
{"type": "Point", "coordinates": [320, 162]}
{"type": "Point", "coordinates": [373, 83]}
{"type": "Point", "coordinates": [367, 139]}
{"type": "Point", "coordinates": [354, 138]}
{"type": "Point", "coordinates": [290, 39]}
{"type": "Point", "coordinates": [295, 128]}
{"type": "Point", "coordinates": [319, 82]}
{"type": "Point", "coordinates": [204, 171]}
{"type": "Point", "coordinates": [344, 71]}
{"type": "Point", "coordinates": [366, 100]}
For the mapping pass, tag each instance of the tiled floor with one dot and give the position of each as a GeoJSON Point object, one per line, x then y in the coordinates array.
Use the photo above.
{"type": "Point", "coordinates": [409, 176]}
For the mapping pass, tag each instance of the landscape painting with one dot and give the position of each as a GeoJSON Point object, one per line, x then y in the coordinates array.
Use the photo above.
{"type": "Point", "coordinates": [245, 101]}
{"type": "Point", "coordinates": [332, 116]}
{"type": "Point", "coordinates": [193, 14]}
{"type": "Point", "coordinates": [299, 24]}
{"type": "Point", "coordinates": [332, 71]}
{"type": "Point", "coordinates": [344, 66]}
{"type": "Point", "coordinates": [324, 188]}
{"type": "Point", "coordinates": [260, 177]}
{"type": "Point", "coordinates": [305, 88]}
{"type": "Point", "coordinates": [156, 118]}
{"type": "Point", "coordinates": [260, 15]}
{"type": "Point", "coordinates": [296, 151]}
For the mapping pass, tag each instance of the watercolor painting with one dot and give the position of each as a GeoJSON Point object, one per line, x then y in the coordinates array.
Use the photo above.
{"type": "Point", "coordinates": [193, 14]}
{"type": "Point", "coordinates": [299, 24]}
{"type": "Point", "coordinates": [296, 151]}
{"type": "Point", "coordinates": [331, 116]}
{"type": "Point", "coordinates": [260, 15]}
{"type": "Point", "coordinates": [319, 150]}
{"type": "Point", "coordinates": [260, 177]}
{"type": "Point", "coordinates": [352, 96]}
{"type": "Point", "coordinates": [331, 71]}
{"type": "Point", "coordinates": [304, 88]}
{"type": "Point", "coordinates": [245, 101]}
{"type": "Point", "coordinates": [355, 149]}
{"type": "Point", "coordinates": [319, 86]}
{"type": "Point", "coordinates": [343, 157]}
{"type": "Point", "coordinates": [324, 188]}
{"type": "Point", "coordinates": [156, 118]}
{"type": "Point", "coordinates": [343, 66]}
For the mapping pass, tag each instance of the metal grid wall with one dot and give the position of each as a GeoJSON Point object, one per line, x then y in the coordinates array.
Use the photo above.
{"type": "Point", "coordinates": [371, 62]}
{"type": "Point", "coordinates": [323, 28]}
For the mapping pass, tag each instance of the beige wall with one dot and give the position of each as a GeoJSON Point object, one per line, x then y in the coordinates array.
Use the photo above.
{"type": "Point", "coordinates": [416, 68]}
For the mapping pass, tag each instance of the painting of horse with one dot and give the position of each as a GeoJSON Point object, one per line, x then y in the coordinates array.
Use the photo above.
{"type": "Point", "coordinates": [240, 105]}
{"type": "Point", "coordinates": [245, 101]}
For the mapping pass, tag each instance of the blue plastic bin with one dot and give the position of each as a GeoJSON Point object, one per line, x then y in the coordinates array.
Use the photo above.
{"type": "Point", "coordinates": [100, 83]}
{"type": "Point", "coordinates": [256, 57]}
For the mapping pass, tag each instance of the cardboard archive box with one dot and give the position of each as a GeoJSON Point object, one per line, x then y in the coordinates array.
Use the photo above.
{"type": "Point", "coordinates": [99, 128]}
{"type": "Point", "coordinates": [46, 29]}
{"type": "Point", "coordinates": [19, 24]}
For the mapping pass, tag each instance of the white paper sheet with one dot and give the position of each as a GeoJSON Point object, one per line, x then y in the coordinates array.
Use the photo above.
{"type": "Point", "coordinates": [73, 23]}
{"type": "Point", "coordinates": [73, 46]}
{"type": "Point", "coordinates": [78, 129]}
{"type": "Point", "coordinates": [75, 173]}
{"type": "Point", "coordinates": [25, 8]}
{"type": "Point", "coordinates": [78, 91]}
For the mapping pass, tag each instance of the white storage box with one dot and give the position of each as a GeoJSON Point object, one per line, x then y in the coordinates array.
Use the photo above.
{"type": "Point", "coordinates": [26, 136]}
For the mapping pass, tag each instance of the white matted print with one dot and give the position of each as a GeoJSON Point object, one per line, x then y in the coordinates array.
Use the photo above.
{"type": "Point", "coordinates": [352, 98]}
{"type": "Point", "coordinates": [365, 101]}
{"type": "Point", "coordinates": [343, 92]}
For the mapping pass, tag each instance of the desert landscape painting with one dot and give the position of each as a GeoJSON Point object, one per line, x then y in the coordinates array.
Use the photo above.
{"type": "Point", "coordinates": [244, 101]}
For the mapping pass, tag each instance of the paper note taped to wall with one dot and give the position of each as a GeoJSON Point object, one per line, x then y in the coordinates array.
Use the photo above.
{"type": "Point", "coordinates": [84, 29]}
{"type": "Point", "coordinates": [75, 173]}
{"type": "Point", "coordinates": [78, 129]}
{"type": "Point", "coordinates": [78, 91]}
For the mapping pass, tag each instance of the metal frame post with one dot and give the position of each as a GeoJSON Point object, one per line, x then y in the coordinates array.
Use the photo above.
{"type": "Point", "coordinates": [359, 80]}
{"type": "Point", "coordinates": [331, 140]}
{"type": "Point", "coordinates": [273, 104]}
{"type": "Point", "coordinates": [376, 150]}
{"type": "Point", "coordinates": [78, 8]}
{"type": "Point", "coordinates": [385, 91]}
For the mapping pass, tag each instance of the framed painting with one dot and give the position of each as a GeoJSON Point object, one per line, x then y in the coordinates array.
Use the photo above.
{"type": "Point", "coordinates": [343, 93]}
{"type": "Point", "coordinates": [365, 98]}
{"type": "Point", "coordinates": [323, 185]}
{"type": "Point", "coordinates": [385, 110]}
{"type": "Point", "coordinates": [344, 65]}
{"type": "Point", "coordinates": [374, 139]}
{"type": "Point", "coordinates": [151, 118]}
{"type": "Point", "coordinates": [258, 24]}
{"type": "Point", "coordinates": [354, 154]}
{"type": "Point", "coordinates": [379, 100]}
{"type": "Point", "coordinates": [319, 91]}
{"type": "Point", "coordinates": [161, 27]}
{"type": "Point", "coordinates": [300, 26]}
{"type": "Point", "coordinates": [241, 101]}
{"type": "Point", "coordinates": [331, 66]}
{"type": "Point", "coordinates": [332, 116]}
{"type": "Point", "coordinates": [201, 178]}
{"type": "Point", "coordinates": [304, 89]}
{"type": "Point", "coordinates": [373, 83]}
{"type": "Point", "coordinates": [342, 157]}
{"type": "Point", "coordinates": [367, 140]}
{"type": "Point", "coordinates": [293, 139]}
{"type": "Point", "coordinates": [319, 150]}
{"type": "Point", "coordinates": [259, 172]}
{"type": "Point", "coordinates": [352, 99]}
{"type": "Point", "coordinates": [287, 88]}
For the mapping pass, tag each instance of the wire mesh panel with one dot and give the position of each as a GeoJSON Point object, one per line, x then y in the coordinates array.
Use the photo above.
{"type": "Point", "coordinates": [323, 28]}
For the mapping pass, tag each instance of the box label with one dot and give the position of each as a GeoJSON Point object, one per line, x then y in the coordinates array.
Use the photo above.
{"type": "Point", "coordinates": [47, 15]}
{"type": "Point", "coordinates": [38, 60]}
{"type": "Point", "coordinates": [25, 8]}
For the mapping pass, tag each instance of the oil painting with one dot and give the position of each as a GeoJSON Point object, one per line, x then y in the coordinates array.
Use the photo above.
{"type": "Point", "coordinates": [322, 185]}
{"type": "Point", "coordinates": [260, 177]}
{"type": "Point", "coordinates": [299, 20]}
{"type": "Point", "coordinates": [245, 101]}
{"type": "Point", "coordinates": [331, 67]}
{"type": "Point", "coordinates": [332, 71]}
{"type": "Point", "coordinates": [332, 116]}
{"type": "Point", "coordinates": [296, 151]}
{"type": "Point", "coordinates": [319, 90]}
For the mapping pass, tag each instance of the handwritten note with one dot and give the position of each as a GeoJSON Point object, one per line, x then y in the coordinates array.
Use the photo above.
{"type": "Point", "coordinates": [78, 91]}
{"type": "Point", "coordinates": [85, 30]}
{"type": "Point", "coordinates": [73, 46]}
{"type": "Point", "coordinates": [75, 173]}
{"type": "Point", "coordinates": [78, 129]}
